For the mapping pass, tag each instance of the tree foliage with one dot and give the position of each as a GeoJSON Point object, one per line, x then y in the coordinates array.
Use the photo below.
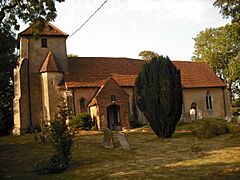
{"type": "Point", "coordinates": [28, 11]}
{"type": "Point", "coordinates": [72, 55]}
{"type": "Point", "coordinates": [229, 8]}
{"type": "Point", "coordinates": [83, 121]}
{"type": "Point", "coordinates": [148, 55]}
{"type": "Point", "coordinates": [159, 95]}
{"type": "Point", "coordinates": [219, 48]}
{"type": "Point", "coordinates": [7, 63]}
{"type": "Point", "coordinates": [61, 137]}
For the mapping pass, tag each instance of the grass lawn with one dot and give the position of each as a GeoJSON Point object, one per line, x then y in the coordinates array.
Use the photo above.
{"type": "Point", "coordinates": [149, 157]}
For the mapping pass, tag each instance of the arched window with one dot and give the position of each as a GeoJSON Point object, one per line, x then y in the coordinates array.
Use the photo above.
{"type": "Point", "coordinates": [82, 105]}
{"type": "Point", "coordinates": [208, 101]}
{"type": "Point", "coordinates": [193, 105]}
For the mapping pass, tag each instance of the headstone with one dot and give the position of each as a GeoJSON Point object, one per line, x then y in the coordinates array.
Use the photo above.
{"type": "Point", "coordinates": [107, 139]}
{"type": "Point", "coordinates": [228, 118]}
{"type": "Point", "coordinates": [199, 114]}
{"type": "Point", "coordinates": [123, 140]}
{"type": "Point", "coordinates": [193, 114]}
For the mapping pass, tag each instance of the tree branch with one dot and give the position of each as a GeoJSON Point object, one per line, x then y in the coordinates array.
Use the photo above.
{"type": "Point", "coordinates": [2, 12]}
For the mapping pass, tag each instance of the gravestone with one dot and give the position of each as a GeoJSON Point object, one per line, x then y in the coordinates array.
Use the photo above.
{"type": "Point", "coordinates": [123, 140]}
{"type": "Point", "coordinates": [193, 114]}
{"type": "Point", "coordinates": [108, 138]}
{"type": "Point", "coordinates": [199, 114]}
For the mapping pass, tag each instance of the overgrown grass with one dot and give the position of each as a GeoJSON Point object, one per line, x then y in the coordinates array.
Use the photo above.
{"type": "Point", "coordinates": [149, 157]}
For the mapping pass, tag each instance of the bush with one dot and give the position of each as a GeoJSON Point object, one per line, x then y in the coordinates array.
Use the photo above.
{"type": "Point", "coordinates": [210, 128]}
{"type": "Point", "coordinates": [83, 121]}
{"type": "Point", "coordinates": [94, 128]}
{"type": "Point", "coordinates": [195, 146]}
{"type": "Point", "coordinates": [235, 111]}
{"type": "Point", "coordinates": [234, 129]}
{"type": "Point", "coordinates": [236, 102]}
{"type": "Point", "coordinates": [61, 138]}
{"type": "Point", "coordinates": [135, 124]}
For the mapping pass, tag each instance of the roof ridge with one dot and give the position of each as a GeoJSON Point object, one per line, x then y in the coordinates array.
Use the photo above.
{"type": "Point", "coordinates": [102, 57]}
{"type": "Point", "coordinates": [57, 28]}
{"type": "Point", "coordinates": [56, 31]}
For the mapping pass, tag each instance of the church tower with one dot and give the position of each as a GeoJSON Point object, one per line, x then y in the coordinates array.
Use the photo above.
{"type": "Point", "coordinates": [42, 64]}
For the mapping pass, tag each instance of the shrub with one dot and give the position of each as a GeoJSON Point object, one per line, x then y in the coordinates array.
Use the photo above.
{"type": "Point", "coordinates": [236, 102]}
{"type": "Point", "coordinates": [83, 121]}
{"type": "Point", "coordinates": [195, 146]}
{"type": "Point", "coordinates": [234, 129]}
{"type": "Point", "coordinates": [135, 124]}
{"type": "Point", "coordinates": [158, 93]}
{"type": "Point", "coordinates": [94, 128]}
{"type": "Point", "coordinates": [210, 128]}
{"type": "Point", "coordinates": [235, 111]}
{"type": "Point", "coordinates": [61, 138]}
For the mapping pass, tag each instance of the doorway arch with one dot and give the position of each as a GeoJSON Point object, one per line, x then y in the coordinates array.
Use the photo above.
{"type": "Point", "coordinates": [113, 117]}
{"type": "Point", "coordinates": [193, 111]}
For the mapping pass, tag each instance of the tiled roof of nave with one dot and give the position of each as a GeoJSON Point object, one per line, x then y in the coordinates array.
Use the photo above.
{"type": "Point", "coordinates": [92, 71]}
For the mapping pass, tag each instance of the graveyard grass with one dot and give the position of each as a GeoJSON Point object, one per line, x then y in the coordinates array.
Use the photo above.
{"type": "Point", "coordinates": [148, 158]}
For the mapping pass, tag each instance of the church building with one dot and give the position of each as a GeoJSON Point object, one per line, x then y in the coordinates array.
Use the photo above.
{"type": "Point", "coordinates": [102, 86]}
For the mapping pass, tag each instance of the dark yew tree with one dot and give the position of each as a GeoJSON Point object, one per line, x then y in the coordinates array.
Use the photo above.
{"type": "Point", "coordinates": [7, 63]}
{"type": "Point", "coordinates": [158, 92]}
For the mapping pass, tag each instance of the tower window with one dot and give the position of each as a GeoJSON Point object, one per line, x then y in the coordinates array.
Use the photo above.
{"type": "Point", "coordinates": [208, 101]}
{"type": "Point", "coordinates": [44, 43]}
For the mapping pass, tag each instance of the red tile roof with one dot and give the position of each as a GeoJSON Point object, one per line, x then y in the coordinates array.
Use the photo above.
{"type": "Point", "coordinates": [197, 74]}
{"type": "Point", "coordinates": [93, 71]}
{"type": "Point", "coordinates": [49, 30]}
{"type": "Point", "coordinates": [50, 64]}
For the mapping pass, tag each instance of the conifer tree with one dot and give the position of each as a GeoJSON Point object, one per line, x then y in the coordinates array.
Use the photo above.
{"type": "Point", "coordinates": [61, 137]}
{"type": "Point", "coordinates": [159, 95]}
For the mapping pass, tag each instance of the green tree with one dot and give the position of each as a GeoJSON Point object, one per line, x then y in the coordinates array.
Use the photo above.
{"type": "Point", "coordinates": [7, 63]}
{"type": "Point", "coordinates": [159, 95]}
{"type": "Point", "coordinates": [219, 47]}
{"type": "Point", "coordinates": [229, 8]}
{"type": "Point", "coordinates": [11, 11]}
{"type": "Point", "coordinates": [147, 55]}
{"type": "Point", "coordinates": [61, 137]}
{"type": "Point", "coordinates": [29, 11]}
{"type": "Point", "coordinates": [72, 55]}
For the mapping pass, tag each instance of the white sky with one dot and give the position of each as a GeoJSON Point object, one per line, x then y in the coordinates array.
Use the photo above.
{"type": "Point", "coordinates": [123, 28]}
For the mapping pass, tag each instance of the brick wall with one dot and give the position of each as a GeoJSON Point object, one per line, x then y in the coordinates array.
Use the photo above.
{"type": "Point", "coordinates": [104, 100]}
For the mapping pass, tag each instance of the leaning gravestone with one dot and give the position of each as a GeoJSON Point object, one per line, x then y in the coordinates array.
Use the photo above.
{"type": "Point", "coordinates": [123, 140]}
{"type": "Point", "coordinates": [108, 138]}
